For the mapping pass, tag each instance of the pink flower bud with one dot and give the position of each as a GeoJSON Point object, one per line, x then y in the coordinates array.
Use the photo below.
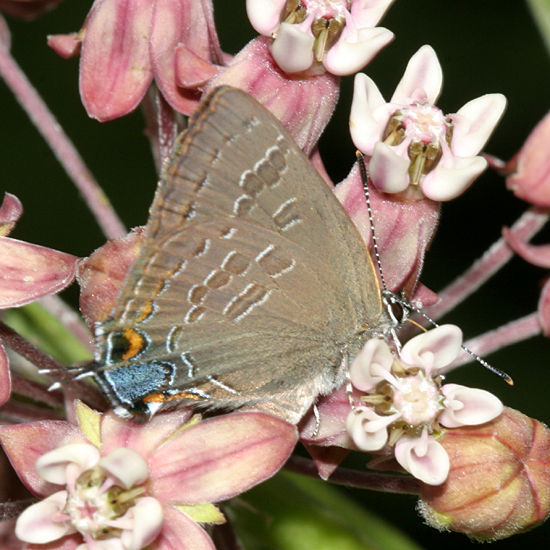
{"type": "Point", "coordinates": [531, 178]}
{"type": "Point", "coordinates": [498, 483]}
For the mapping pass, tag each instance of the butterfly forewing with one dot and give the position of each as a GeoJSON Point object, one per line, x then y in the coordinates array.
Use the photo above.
{"type": "Point", "coordinates": [252, 283]}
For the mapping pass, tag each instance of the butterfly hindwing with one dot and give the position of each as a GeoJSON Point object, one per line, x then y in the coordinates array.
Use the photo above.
{"type": "Point", "coordinates": [251, 284]}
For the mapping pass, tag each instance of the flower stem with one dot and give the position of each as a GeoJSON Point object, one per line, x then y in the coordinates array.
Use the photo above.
{"type": "Point", "coordinates": [387, 483]}
{"type": "Point", "coordinates": [60, 144]}
{"type": "Point", "coordinates": [496, 256]}
{"type": "Point", "coordinates": [506, 335]}
{"type": "Point", "coordinates": [24, 348]}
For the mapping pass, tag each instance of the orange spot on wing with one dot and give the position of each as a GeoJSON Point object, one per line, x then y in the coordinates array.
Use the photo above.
{"type": "Point", "coordinates": [161, 398]}
{"type": "Point", "coordinates": [146, 311]}
{"type": "Point", "coordinates": [136, 342]}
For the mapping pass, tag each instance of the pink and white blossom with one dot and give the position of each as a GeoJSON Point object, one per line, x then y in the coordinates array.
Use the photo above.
{"type": "Point", "coordinates": [338, 36]}
{"type": "Point", "coordinates": [404, 404]}
{"type": "Point", "coordinates": [411, 143]}
{"type": "Point", "coordinates": [112, 484]}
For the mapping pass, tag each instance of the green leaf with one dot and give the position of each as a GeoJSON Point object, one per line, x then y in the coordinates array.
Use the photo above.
{"type": "Point", "coordinates": [45, 331]}
{"type": "Point", "coordinates": [540, 10]}
{"type": "Point", "coordinates": [292, 512]}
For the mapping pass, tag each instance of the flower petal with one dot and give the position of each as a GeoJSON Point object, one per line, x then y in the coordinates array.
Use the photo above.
{"type": "Point", "coordinates": [5, 376]}
{"type": "Point", "coordinates": [52, 466]}
{"type": "Point", "coordinates": [293, 48]}
{"type": "Point", "coordinates": [179, 532]}
{"type": "Point", "coordinates": [468, 406]}
{"type": "Point", "coordinates": [388, 170]}
{"type": "Point", "coordinates": [474, 123]}
{"type": "Point", "coordinates": [329, 428]}
{"type": "Point", "coordinates": [175, 22]}
{"type": "Point", "coordinates": [368, 13]}
{"type": "Point", "coordinates": [65, 45]}
{"type": "Point", "coordinates": [433, 349]}
{"type": "Point", "coordinates": [366, 122]}
{"type": "Point", "coordinates": [126, 465]}
{"type": "Point", "coordinates": [101, 275]}
{"type": "Point", "coordinates": [220, 457]}
{"type": "Point", "coordinates": [444, 184]}
{"type": "Point", "coordinates": [264, 15]}
{"type": "Point", "coordinates": [424, 458]}
{"type": "Point", "coordinates": [29, 271]}
{"type": "Point", "coordinates": [371, 365]}
{"type": "Point", "coordinates": [115, 68]}
{"type": "Point", "coordinates": [422, 79]}
{"type": "Point", "coordinates": [348, 57]}
{"type": "Point", "coordinates": [24, 444]}
{"type": "Point", "coordinates": [114, 543]}
{"type": "Point", "coordinates": [10, 211]}
{"type": "Point", "coordinates": [37, 522]}
{"type": "Point", "coordinates": [192, 71]}
{"type": "Point", "coordinates": [147, 516]}
{"type": "Point", "coordinates": [368, 430]}
{"type": "Point", "coordinates": [143, 438]}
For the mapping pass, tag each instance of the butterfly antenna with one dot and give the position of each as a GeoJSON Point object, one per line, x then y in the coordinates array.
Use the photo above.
{"type": "Point", "coordinates": [365, 180]}
{"type": "Point", "coordinates": [391, 297]}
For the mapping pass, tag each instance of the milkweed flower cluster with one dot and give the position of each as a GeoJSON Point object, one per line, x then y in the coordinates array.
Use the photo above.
{"type": "Point", "coordinates": [338, 35]}
{"type": "Point", "coordinates": [411, 143]}
{"type": "Point", "coordinates": [109, 484]}
{"type": "Point", "coordinates": [404, 404]}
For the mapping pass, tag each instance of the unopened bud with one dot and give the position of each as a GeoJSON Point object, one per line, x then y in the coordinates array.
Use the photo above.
{"type": "Point", "coordinates": [499, 481]}
{"type": "Point", "coordinates": [531, 178]}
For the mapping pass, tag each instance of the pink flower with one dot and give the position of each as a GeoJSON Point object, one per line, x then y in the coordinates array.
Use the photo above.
{"type": "Point", "coordinates": [403, 403]}
{"type": "Point", "coordinates": [127, 43]}
{"type": "Point", "coordinates": [412, 144]}
{"type": "Point", "coordinates": [112, 484]}
{"type": "Point", "coordinates": [334, 35]}
{"type": "Point", "coordinates": [27, 272]}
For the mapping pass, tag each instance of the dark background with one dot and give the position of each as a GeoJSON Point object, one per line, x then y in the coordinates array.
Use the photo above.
{"type": "Point", "coordinates": [483, 47]}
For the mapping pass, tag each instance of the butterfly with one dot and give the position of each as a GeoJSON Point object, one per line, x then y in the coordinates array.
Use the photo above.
{"type": "Point", "coordinates": [252, 287]}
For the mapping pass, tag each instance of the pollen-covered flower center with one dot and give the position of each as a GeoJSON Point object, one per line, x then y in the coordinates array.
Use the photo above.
{"type": "Point", "coordinates": [326, 17]}
{"type": "Point", "coordinates": [417, 398]}
{"type": "Point", "coordinates": [95, 504]}
{"type": "Point", "coordinates": [425, 130]}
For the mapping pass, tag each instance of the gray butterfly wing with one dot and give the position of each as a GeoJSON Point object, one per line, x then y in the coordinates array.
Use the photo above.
{"type": "Point", "coordinates": [252, 284]}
